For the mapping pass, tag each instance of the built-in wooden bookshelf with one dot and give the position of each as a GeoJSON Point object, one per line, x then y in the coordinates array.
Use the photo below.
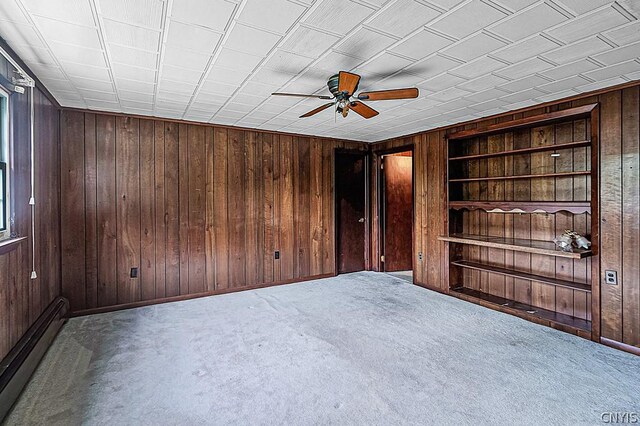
{"type": "Point", "coordinates": [513, 187]}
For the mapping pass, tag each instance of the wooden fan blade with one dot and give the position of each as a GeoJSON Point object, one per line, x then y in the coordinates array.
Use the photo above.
{"type": "Point", "coordinates": [348, 82]}
{"type": "Point", "coordinates": [298, 95]}
{"type": "Point", "coordinates": [317, 110]}
{"type": "Point", "coordinates": [383, 95]}
{"type": "Point", "coordinates": [363, 110]}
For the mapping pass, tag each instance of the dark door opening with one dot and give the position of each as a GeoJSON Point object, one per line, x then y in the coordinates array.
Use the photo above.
{"type": "Point", "coordinates": [351, 217]}
{"type": "Point", "coordinates": [397, 212]}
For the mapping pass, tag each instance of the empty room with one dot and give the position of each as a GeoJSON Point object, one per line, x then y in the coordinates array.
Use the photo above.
{"type": "Point", "coordinates": [319, 212]}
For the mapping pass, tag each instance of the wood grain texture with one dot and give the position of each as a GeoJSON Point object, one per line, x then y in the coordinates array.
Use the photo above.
{"type": "Point", "coordinates": [197, 209]}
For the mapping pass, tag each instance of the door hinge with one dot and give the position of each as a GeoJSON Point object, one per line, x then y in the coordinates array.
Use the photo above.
{"type": "Point", "coordinates": [382, 258]}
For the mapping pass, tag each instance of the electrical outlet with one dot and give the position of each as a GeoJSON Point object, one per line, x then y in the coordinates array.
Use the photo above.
{"type": "Point", "coordinates": [611, 277]}
{"type": "Point", "coordinates": [134, 273]}
{"type": "Point", "coordinates": [277, 255]}
{"type": "Point", "coordinates": [420, 256]}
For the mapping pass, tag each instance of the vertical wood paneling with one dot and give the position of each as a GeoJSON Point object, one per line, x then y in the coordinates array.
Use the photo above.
{"type": "Point", "coordinates": [172, 210]}
{"type": "Point", "coordinates": [183, 206]}
{"type": "Point", "coordinates": [236, 206]}
{"type": "Point", "coordinates": [160, 209]}
{"type": "Point", "coordinates": [268, 207]}
{"type": "Point", "coordinates": [210, 235]}
{"type": "Point", "coordinates": [221, 217]}
{"type": "Point", "coordinates": [197, 208]}
{"type": "Point", "coordinates": [147, 212]}
{"type": "Point", "coordinates": [90, 208]}
{"type": "Point", "coordinates": [128, 206]}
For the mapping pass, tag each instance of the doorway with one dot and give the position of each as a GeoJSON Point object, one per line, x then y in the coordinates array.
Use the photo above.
{"type": "Point", "coordinates": [396, 213]}
{"type": "Point", "coordinates": [351, 211]}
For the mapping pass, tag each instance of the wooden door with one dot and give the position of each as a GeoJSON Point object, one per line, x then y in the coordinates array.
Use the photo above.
{"type": "Point", "coordinates": [397, 176]}
{"type": "Point", "coordinates": [350, 211]}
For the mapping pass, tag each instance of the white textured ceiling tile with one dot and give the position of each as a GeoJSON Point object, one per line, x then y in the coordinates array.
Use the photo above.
{"type": "Point", "coordinates": [102, 105]}
{"type": "Point", "coordinates": [132, 36]}
{"type": "Point", "coordinates": [126, 95]}
{"type": "Point", "coordinates": [10, 11]}
{"type": "Point", "coordinates": [135, 85]}
{"type": "Point", "coordinates": [228, 76]}
{"type": "Point", "coordinates": [421, 44]}
{"type": "Point", "coordinates": [286, 62]}
{"type": "Point", "coordinates": [383, 65]}
{"type": "Point", "coordinates": [58, 84]}
{"type": "Point", "coordinates": [396, 81]}
{"type": "Point", "coordinates": [47, 71]}
{"type": "Point", "coordinates": [523, 83]}
{"type": "Point", "coordinates": [166, 100]}
{"type": "Point", "coordinates": [63, 94]}
{"type": "Point", "coordinates": [96, 95]}
{"type": "Point", "coordinates": [269, 76]}
{"type": "Point", "coordinates": [525, 49]}
{"type": "Point", "coordinates": [90, 84]}
{"type": "Point", "coordinates": [215, 87]}
{"type": "Point", "coordinates": [468, 19]}
{"type": "Point", "coordinates": [556, 95]}
{"type": "Point", "coordinates": [521, 104]}
{"type": "Point", "coordinates": [473, 47]}
{"type": "Point", "coordinates": [613, 71]}
{"type": "Point", "coordinates": [185, 58]}
{"type": "Point", "coordinates": [515, 5]}
{"type": "Point", "coordinates": [442, 82]}
{"type": "Point", "coordinates": [133, 73]}
{"type": "Point", "coordinates": [211, 107]}
{"type": "Point", "coordinates": [484, 82]}
{"type": "Point", "coordinates": [273, 15]}
{"type": "Point", "coordinates": [35, 56]}
{"type": "Point", "coordinates": [525, 95]}
{"type": "Point", "coordinates": [625, 34]}
{"type": "Point", "coordinates": [211, 98]}
{"type": "Point", "coordinates": [587, 25]}
{"type": "Point", "coordinates": [237, 60]}
{"type": "Point", "coordinates": [80, 55]}
{"type": "Point", "coordinates": [403, 17]}
{"type": "Point", "coordinates": [432, 66]}
{"type": "Point", "coordinates": [338, 16]}
{"type": "Point", "coordinates": [578, 50]}
{"type": "Point", "coordinates": [486, 95]}
{"type": "Point", "coordinates": [309, 42]}
{"type": "Point", "coordinates": [583, 6]}
{"type": "Point", "coordinates": [487, 105]}
{"type": "Point", "coordinates": [192, 37]}
{"type": "Point", "coordinates": [248, 99]}
{"type": "Point", "coordinates": [178, 73]}
{"type": "Point", "coordinates": [563, 71]}
{"type": "Point", "coordinates": [145, 13]}
{"type": "Point", "coordinates": [85, 71]}
{"type": "Point", "coordinates": [20, 34]}
{"type": "Point", "coordinates": [449, 94]}
{"type": "Point", "coordinates": [478, 67]}
{"type": "Point", "coordinates": [333, 62]}
{"type": "Point", "coordinates": [73, 11]}
{"type": "Point", "coordinates": [214, 14]}
{"type": "Point", "coordinates": [186, 89]}
{"type": "Point", "coordinates": [564, 84]}
{"type": "Point", "coordinates": [239, 108]}
{"type": "Point", "coordinates": [528, 21]}
{"type": "Point", "coordinates": [53, 30]}
{"type": "Point", "coordinates": [250, 40]}
{"type": "Point", "coordinates": [364, 44]}
{"type": "Point", "coordinates": [521, 69]}
{"type": "Point", "coordinates": [135, 57]}
{"type": "Point", "coordinates": [620, 54]}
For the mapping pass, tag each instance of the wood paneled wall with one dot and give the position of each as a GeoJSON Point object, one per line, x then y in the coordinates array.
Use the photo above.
{"type": "Point", "coordinates": [619, 205]}
{"type": "Point", "coordinates": [198, 209]}
{"type": "Point", "coordinates": [22, 300]}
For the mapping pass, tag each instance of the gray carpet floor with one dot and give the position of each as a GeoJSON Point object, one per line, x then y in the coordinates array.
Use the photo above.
{"type": "Point", "coordinates": [364, 348]}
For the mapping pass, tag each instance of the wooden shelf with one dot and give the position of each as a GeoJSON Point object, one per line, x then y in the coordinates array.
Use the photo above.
{"type": "Point", "coordinates": [570, 145]}
{"type": "Point", "coordinates": [528, 246]}
{"type": "Point", "coordinates": [545, 175]}
{"type": "Point", "coordinates": [535, 120]}
{"type": "Point", "coordinates": [521, 309]}
{"type": "Point", "coordinates": [10, 244]}
{"type": "Point", "coordinates": [575, 207]}
{"type": "Point", "coordinates": [522, 275]}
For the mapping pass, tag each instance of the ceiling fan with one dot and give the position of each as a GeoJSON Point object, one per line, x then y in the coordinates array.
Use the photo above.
{"type": "Point", "coordinates": [343, 86]}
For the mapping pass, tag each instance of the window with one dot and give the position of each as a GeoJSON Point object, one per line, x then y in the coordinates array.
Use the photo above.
{"type": "Point", "coordinates": [5, 155]}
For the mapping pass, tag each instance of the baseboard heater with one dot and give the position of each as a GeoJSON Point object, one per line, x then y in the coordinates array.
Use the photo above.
{"type": "Point", "coordinates": [20, 363]}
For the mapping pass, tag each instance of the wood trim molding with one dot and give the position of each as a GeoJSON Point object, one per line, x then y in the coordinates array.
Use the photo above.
{"type": "Point", "coordinates": [11, 244]}
{"type": "Point", "coordinates": [194, 296]}
{"type": "Point", "coordinates": [621, 346]}
{"type": "Point", "coordinates": [547, 118]}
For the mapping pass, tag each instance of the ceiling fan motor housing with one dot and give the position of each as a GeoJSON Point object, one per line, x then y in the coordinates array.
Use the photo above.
{"type": "Point", "coordinates": [333, 84]}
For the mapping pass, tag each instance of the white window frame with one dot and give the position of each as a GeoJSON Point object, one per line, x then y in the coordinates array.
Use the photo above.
{"type": "Point", "coordinates": [5, 157]}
